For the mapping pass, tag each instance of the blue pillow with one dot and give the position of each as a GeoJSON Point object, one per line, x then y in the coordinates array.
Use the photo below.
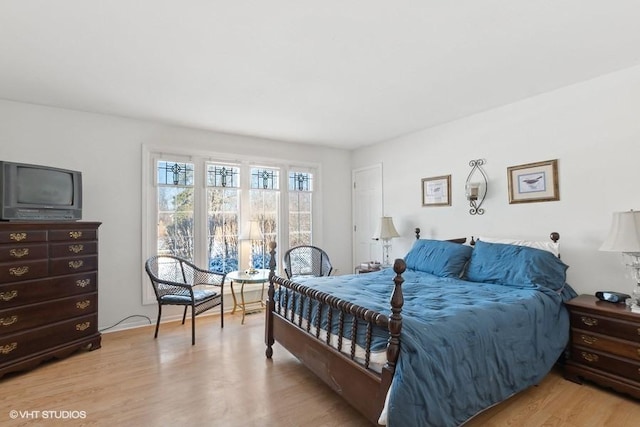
{"type": "Point", "coordinates": [438, 257]}
{"type": "Point", "coordinates": [515, 265]}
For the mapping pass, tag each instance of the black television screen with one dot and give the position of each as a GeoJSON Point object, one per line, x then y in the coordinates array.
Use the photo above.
{"type": "Point", "coordinates": [39, 193]}
{"type": "Point", "coordinates": [44, 187]}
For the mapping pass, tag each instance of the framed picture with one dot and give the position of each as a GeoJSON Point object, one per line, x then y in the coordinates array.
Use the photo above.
{"type": "Point", "coordinates": [533, 182]}
{"type": "Point", "coordinates": [436, 191]}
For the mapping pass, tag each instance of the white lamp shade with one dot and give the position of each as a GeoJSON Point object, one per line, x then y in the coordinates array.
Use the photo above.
{"type": "Point", "coordinates": [624, 235]}
{"type": "Point", "coordinates": [386, 229]}
{"type": "Point", "coordinates": [252, 231]}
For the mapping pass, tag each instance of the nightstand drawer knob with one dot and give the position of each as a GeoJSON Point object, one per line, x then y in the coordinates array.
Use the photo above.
{"type": "Point", "coordinates": [589, 357]}
{"type": "Point", "coordinates": [588, 340]}
{"type": "Point", "coordinates": [589, 321]}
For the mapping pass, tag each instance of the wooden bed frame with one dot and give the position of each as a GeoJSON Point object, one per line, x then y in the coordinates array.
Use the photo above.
{"type": "Point", "coordinates": [359, 385]}
{"type": "Point", "coordinates": [353, 379]}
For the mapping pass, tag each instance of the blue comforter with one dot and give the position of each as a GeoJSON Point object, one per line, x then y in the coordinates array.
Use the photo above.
{"type": "Point", "coordinates": [464, 345]}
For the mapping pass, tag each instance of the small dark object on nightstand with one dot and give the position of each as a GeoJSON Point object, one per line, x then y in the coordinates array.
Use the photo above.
{"type": "Point", "coordinates": [610, 296]}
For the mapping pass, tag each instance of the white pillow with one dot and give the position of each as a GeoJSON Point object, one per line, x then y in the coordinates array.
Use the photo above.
{"type": "Point", "coordinates": [550, 246]}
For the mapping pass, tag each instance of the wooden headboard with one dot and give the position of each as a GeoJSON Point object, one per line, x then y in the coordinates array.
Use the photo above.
{"type": "Point", "coordinates": [554, 236]}
{"type": "Point", "coordinates": [458, 240]}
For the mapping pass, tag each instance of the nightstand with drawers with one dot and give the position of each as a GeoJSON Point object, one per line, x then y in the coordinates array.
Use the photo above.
{"type": "Point", "coordinates": [605, 345]}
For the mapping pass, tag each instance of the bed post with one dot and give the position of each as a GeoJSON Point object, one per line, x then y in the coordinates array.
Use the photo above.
{"type": "Point", "coordinates": [395, 324]}
{"type": "Point", "coordinates": [271, 305]}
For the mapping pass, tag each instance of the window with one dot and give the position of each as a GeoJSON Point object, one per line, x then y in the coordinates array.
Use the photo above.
{"type": "Point", "coordinates": [300, 212]}
{"type": "Point", "coordinates": [175, 214]}
{"type": "Point", "coordinates": [200, 209]}
{"type": "Point", "coordinates": [264, 203]}
{"type": "Point", "coordinates": [223, 216]}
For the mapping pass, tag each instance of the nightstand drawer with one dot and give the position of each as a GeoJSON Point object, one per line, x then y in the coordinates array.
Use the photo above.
{"type": "Point", "coordinates": [606, 325]}
{"type": "Point", "coordinates": [628, 349]}
{"type": "Point", "coordinates": [606, 362]}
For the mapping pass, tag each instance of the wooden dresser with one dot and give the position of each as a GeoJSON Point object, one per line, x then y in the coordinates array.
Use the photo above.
{"type": "Point", "coordinates": [605, 345]}
{"type": "Point", "coordinates": [48, 291]}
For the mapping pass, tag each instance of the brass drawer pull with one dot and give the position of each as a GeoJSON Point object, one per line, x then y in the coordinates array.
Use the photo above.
{"type": "Point", "coordinates": [83, 326]}
{"type": "Point", "coordinates": [83, 283]}
{"type": "Point", "coordinates": [76, 264]}
{"type": "Point", "coordinates": [8, 321]}
{"type": "Point", "coordinates": [75, 234]}
{"type": "Point", "coordinates": [81, 305]}
{"type": "Point", "coordinates": [18, 271]}
{"type": "Point", "coordinates": [588, 340]}
{"type": "Point", "coordinates": [19, 253]}
{"type": "Point", "coordinates": [6, 349]}
{"type": "Point", "coordinates": [589, 321]}
{"type": "Point", "coordinates": [8, 296]}
{"type": "Point", "coordinates": [590, 357]}
{"type": "Point", "coordinates": [76, 248]}
{"type": "Point", "coordinates": [18, 237]}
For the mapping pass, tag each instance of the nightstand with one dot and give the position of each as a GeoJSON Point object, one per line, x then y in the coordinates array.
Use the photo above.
{"type": "Point", "coordinates": [605, 345]}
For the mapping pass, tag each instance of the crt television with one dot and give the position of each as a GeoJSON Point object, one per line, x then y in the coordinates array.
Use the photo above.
{"type": "Point", "coordinates": [33, 193]}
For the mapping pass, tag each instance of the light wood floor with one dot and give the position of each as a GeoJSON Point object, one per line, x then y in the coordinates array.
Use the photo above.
{"type": "Point", "coordinates": [225, 380]}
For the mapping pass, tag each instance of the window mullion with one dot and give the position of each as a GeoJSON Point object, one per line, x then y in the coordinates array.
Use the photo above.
{"type": "Point", "coordinates": [200, 209]}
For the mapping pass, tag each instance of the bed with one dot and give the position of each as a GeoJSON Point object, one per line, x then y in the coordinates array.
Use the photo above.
{"type": "Point", "coordinates": [449, 331]}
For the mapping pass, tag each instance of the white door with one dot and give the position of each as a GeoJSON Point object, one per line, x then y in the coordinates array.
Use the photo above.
{"type": "Point", "coordinates": [367, 210]}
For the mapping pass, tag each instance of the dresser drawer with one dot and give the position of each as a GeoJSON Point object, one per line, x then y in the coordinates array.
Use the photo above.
{"type": "Point", "coordinates": [72, 235]}
{"type": "Point", "coordinates": [606, 325]}
{"type": "Point", "coordinates": [23, 236]}
{"type": "Point", "coordinates": [23, 270]}
{"type": "Point", "coordinates": [29, 316]}
{"type": "Point", "coordinates": [628, 349]}
{"type": "Point", "coordinates": [18, 253]}
{"type": "Point", "coordinates": [61, 250]}
{"type": "Point", "coordinates": [30, 342]}
{"type": "Point", "coordinates": [33, 291]}
{"type": "Point", "coordinates": [73, 265]}
{"type": "Point", "coordinates": [606, 362]}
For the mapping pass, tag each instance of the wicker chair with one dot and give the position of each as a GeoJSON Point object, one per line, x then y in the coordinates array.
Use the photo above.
{"type": "Point", "coordinates": [306, 260]}
{"type": "Point", "coordinates": [177, 281]}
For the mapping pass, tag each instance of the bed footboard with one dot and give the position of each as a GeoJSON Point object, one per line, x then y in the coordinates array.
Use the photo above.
{"type": "Point", "coordinates": [325, 334]}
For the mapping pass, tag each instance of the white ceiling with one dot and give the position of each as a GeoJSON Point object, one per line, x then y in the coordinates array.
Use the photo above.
{"type": "Point", "coordinates": [342, 73]}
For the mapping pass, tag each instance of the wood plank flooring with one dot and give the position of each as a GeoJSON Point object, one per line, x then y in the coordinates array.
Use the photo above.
{"type": "Point", "coordinates": [225, 380]}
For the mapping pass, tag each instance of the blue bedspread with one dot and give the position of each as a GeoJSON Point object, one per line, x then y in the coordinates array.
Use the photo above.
{"type": "Point", "coordinates": [464, 346]}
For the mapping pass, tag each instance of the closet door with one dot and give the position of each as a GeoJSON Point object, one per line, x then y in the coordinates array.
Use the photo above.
{"type": "Point", "coordinates": [367, 210]}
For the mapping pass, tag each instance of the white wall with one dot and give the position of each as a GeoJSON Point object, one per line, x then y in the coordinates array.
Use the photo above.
{"type": "Point", "coordinates": [108, 151]}
{"type": "Point", "coordinates": [592, 128]}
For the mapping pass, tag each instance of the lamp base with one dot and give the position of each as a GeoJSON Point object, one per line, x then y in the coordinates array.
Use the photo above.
{"type": "Point", "coordinates": [385, 254]}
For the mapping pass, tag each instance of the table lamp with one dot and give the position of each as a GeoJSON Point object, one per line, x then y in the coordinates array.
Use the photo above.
{"type": "Point", "coordinates": [624, 237]}
{"type": "Point", "coordinates": [385, 232]}
{"type": "Point", "coordinates": [254, 234]}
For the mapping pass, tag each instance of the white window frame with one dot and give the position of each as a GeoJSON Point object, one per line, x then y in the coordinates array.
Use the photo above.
{"type": "Point", "coordinates": [152, 153]}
